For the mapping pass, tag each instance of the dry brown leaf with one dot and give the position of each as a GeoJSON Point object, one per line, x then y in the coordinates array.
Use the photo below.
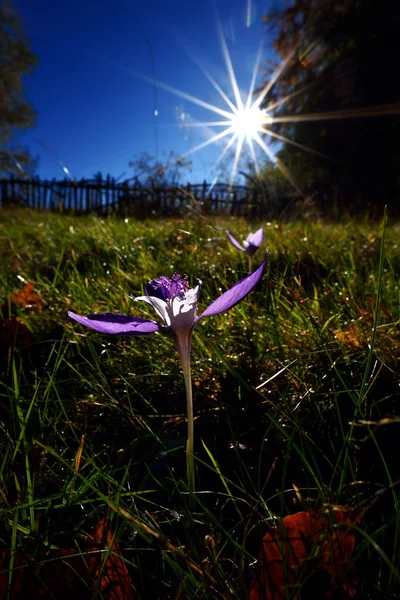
{"type": "Point", "coordinates": [350, 336]}
{"type": "Point", "coordinates": [313, 547]}
{"type": "Point", "coordinates": [114, 581]}
{"type": "Point", "coordinates": [66, 574]}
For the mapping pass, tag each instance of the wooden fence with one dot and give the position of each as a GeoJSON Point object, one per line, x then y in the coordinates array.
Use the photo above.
{"type": "Point", "coordinates": [106, 196]}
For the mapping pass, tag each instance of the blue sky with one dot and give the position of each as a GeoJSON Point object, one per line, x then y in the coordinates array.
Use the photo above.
{"type": "Point", "coordinates": [95, 112]}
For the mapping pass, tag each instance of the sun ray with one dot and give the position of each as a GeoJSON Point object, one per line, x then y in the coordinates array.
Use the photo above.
{"type": "Point", "coordinates": [225, 150]}
{"type": "Point", "coordinates": [168, 88]}
{"type": "Point", "coordinates": [248, 13]}
{"type": "Point", "coordinates": [349, 113]}
{"type": "Point", "coordinates": [208, 124]}
{"type": "Point", "coordinates": [236, 159]}
{"type": "Point", "coordinates": [287, 140]}
{"type": "Point", "coordinates": [215, 138]}
{"type": "Point", "coordinates": [284, 99]}
{"type": "Point", "coordinates": [253, 80]}
{"type": "Point", "coordinates": [275, 76]}
{"type": "Point", "coordinates": [228, 145]}
{"type": "Point", "coordinates": [253, 155]}
{"type": "Point", "coordinates": [214, 83]}
{"type": "Point", "coordinates": [231, 72]}
{"type": "Point", "coordinates": [284, 170]}
{"type": "Point", "coordinates": [194, 99]}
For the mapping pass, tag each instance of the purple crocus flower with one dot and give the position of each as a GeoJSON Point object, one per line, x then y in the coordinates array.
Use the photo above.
{"type": "Point", "coordinates": [251, 244]}
{"type": "Point", "coordinates": [176, 305]}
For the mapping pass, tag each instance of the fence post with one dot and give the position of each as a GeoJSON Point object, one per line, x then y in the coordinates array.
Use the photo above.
{"type": "Point", "coordinates": [108, 196]}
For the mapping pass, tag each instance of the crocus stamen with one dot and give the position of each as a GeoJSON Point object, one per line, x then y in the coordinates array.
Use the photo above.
{"type": "Point", "coordinates": [166, 288]}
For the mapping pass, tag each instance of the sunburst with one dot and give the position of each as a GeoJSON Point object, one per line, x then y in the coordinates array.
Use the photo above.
{"type": "Point", "coordinates": [245, 123]}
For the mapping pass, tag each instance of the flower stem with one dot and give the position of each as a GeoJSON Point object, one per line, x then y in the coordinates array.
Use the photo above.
{"type": "Point", "coordinates": [190, 439]}
{"type": "Point", "coordinates": [250, 261]}
{"type": "Point", "coordinates": [183, 347]}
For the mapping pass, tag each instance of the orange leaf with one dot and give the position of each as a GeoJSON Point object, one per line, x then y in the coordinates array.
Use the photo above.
{"type": "Point", "coordinates": [27, 297]}
{"type": "Point", "coordinates": [310, 547]}
{"type": "Point", "coordinates": [115, 583]}
{"type": "Point", "coordinates": [350, 336]}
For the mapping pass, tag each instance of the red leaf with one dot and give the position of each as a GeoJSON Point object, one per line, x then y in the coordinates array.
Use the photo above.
{"type": "Point", "coordinates": [310, 548]}
{"type": "Point", "coordinates": [66, 574]}
{"type": "Point", "coordinates": [12, 331]}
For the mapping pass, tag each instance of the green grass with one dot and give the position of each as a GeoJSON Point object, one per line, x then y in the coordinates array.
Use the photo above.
{"type": "Point", "coordinates": [297, 385]}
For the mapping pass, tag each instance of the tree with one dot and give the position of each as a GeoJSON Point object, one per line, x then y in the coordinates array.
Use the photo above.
{"type": "Point", "coordinates": [343, 56]}
{"type": "Point", "coordinates": [16, 60]}
{"type": "Point", "coordinates": [152, 173]}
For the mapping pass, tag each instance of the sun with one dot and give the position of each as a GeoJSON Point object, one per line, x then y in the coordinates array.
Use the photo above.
{"type": "Point", "coordinates": [248, 122]}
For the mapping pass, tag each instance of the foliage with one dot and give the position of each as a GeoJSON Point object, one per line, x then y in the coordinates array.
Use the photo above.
{"type": "Point", "coordinates": [150, 172]}
{"type": "Point", "coordinates": [337, 53]}
{"type": "Point", "coordinates": [16, 60]}
{"type": "Point", "coordinates": [296, 395]}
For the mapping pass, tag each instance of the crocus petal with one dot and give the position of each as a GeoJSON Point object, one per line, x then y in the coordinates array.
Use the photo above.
{"type": "Point", "coordinates": [182, 311]}
{"type": "Point", "coordinates": [160, 306]}
{"type": "Point", "coordinates": [257, 238]}
{"type": "Point", "coordinates": [159, 291]}
{"type": "Point", "coordinates": [234, 242]}
{"type": "Point", "coordinates": [254, 241]}
{"type": "Point", "coordinates": [116, 324]}
{"type": "Point", "coordinates": [235, 294]}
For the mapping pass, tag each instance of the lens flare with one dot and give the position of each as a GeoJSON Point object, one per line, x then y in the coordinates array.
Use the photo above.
{"type": "Point", "coordinates": [247, 124]}
{"type": "Point", "coordinates": [249, 121]}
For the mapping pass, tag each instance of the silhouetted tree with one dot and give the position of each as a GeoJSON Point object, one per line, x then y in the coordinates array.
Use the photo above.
{"type": "Point", "coordinates": [151, 172]}
{"type": "Point", "coordinates": [16, 113]}
{"type": "Point", "coordinates": [343, 55]}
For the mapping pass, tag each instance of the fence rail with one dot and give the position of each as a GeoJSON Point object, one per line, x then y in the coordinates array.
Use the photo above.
{"type": "Point", "coordinates": [106, 196]}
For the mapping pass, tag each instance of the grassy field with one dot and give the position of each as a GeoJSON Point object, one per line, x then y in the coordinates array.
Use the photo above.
{"type": "Point", "coordinates": [296, 397]}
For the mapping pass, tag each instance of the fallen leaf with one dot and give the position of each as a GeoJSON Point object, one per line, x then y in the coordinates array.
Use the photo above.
{"type": "Point", "coordinates": [110, 570]}
{"type": "Point", "coordinates": [351, 336]}
{"type": "Point", "coordinates": [308, 548]}
{"type": "Point", "coordinates": [61, 577]}
{"type": "Point", "coordinates": [27, 298]}
{"type": "Point", "coordinates": [13, 332]}
{"type": "Point", "coordinates": [66, 574]}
